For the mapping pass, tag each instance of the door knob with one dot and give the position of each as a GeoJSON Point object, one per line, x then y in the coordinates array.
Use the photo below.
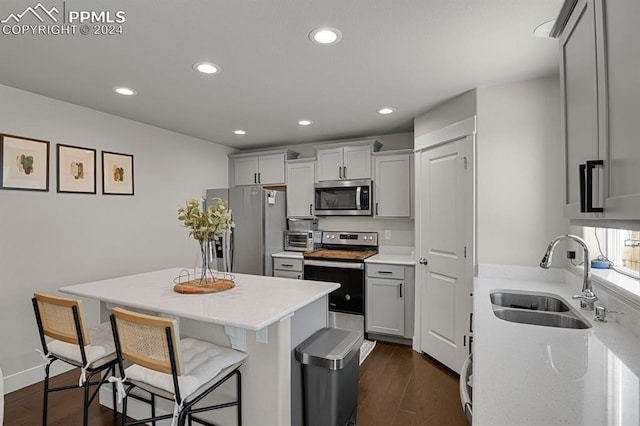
{"type": "Point", "coordinates": [423, 261]}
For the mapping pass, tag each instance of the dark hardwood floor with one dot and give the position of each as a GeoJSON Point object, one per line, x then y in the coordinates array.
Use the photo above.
{"type": "Point", "coordinates": [398, 387]}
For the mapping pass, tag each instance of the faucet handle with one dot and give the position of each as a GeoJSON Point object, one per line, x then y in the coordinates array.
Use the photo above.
{"type": "Point", "coordinates": [587, 299]}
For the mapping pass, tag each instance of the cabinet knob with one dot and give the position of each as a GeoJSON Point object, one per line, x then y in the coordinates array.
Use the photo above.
{"type": "Point", "coordinates": [423, 261]}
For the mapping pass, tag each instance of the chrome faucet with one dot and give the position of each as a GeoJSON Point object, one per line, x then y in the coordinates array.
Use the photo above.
{"type": "Point", "coordinates": [587, 297]}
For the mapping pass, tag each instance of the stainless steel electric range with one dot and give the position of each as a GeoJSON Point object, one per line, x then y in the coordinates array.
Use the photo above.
{"type": "Point", "coordinates": [341, 259]}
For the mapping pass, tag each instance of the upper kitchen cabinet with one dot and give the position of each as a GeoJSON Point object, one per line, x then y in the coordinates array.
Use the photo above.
{"type": "Point", "coordinates": [301, 175]}
{"type": "Point", "coordinates": [263, 168]}
{"type": "Point", "coordinates": [349, 160]}
{"type": "Point", "coordinates": [622, 54]}
{"type": "Point", "coordinates": [393, 172]}
{"type": "Point", "coordinates": [598, 74]}
{"type": "Point", "coordinates": [579, 85]}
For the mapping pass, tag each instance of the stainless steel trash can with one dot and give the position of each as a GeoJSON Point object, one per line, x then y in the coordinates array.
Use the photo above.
{"type": "Point", "coordinates": [330, 361]}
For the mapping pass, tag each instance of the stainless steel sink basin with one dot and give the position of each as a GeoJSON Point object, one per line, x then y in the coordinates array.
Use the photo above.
{"type": "Point", "coordinates": [547, 319]}
{"type": "Point", "coordinates": [536, 309]}
{"type": "Point", "coordinates": [530, 301]}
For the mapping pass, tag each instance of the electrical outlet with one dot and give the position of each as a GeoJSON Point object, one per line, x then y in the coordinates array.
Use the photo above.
{"type": "Point", "coordinates": [571, 254]}
{"type": "Point", "coordinates": [387, 234]}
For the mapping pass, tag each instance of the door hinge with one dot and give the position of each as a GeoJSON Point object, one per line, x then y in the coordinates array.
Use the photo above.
{"type": "Point", "coordinates": [465, 162]}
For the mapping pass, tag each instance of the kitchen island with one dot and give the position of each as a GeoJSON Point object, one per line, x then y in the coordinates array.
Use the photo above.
{"type": "Point", "coordinates": [265, 317]}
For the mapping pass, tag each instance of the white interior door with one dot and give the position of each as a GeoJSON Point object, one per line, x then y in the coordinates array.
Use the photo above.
{"type": "Point", "coordinates": [445, 249]}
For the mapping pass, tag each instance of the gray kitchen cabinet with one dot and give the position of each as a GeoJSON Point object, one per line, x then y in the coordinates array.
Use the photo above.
{"type": "Point", "coordinates": [265, 168]}
{"type": "Point", "coordinates": [598, 72]}
{"type": "Point", "coordinates": [621, 36]}
{"type": "Point", "coordinates": [300, 195]}
{"type": "Point", "coordinates": [349, 160]}
{"type": "Point", "coordinates": [390, 300]}
{"type": "Point", "coordinates": [580, 94]}
{"type": "Point", "coordinates": [287, 267]}
{"type": "Point", "coordinates": [393, 172]}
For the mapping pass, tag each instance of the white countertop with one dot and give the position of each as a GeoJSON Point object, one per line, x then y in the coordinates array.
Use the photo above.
{"type": "Point", "coordinates": [288, 255]}
{"type": "Point", "coordinates": [392, 259]}
{"type": "Point", "coordinates": [533, 375]}
{"type": "Point", "coordinates": [253, 304]}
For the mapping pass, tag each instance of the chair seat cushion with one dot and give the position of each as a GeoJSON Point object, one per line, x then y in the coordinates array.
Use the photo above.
{"type": "Point", "coordinates": [102, 345]}
{"type": "Point", "coordinates": [201, 362]}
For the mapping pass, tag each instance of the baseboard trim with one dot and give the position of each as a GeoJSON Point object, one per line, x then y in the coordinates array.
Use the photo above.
{"type": "Point", "coordinates": [30, 376]}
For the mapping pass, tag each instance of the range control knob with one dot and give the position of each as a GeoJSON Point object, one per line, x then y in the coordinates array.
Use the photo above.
{"type": "Point", "coordinates": [347, 297]}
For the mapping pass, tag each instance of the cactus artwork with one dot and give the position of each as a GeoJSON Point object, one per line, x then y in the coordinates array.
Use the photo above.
{"type": "Point", "coordinates": [25, 164]}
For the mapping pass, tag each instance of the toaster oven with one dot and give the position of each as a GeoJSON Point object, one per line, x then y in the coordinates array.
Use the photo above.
{"type": "Point", "coordinates": [302, 240]}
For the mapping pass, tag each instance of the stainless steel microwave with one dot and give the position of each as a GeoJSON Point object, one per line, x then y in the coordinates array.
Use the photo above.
{"type": "Point", "coordinates": [343, 198]}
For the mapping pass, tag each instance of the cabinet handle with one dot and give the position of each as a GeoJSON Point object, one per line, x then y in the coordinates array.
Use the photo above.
{"type": "Point", "coordinates": [299, 276]}
{"type": "Point", "coordinates": [423, 261]}
{"type": "Point", "coordinates": [591, 165]}
{"type": "Point", "coordinates": [259, 177]}
{"type": "Point", "coordinates": [287, 265]}
{"type": "Point", "coordinates": [376, 209]}
{"type": "Point", "coordinates": [385, 272]}
{"type": "Point", "coordinates": [582, 170]}
{"type": "Point", "coordinates": [340, 172]}
{"type": "Point", "coordinates": [310, 209]}
{"type": "Point", "coordinates": [255, 178]}
{"type": "Point", "coordinates": [344, 173]}
{"type": "Point", "coordinates": [471, 322]}
{"type": "Point", "coordinates": [401, 290]}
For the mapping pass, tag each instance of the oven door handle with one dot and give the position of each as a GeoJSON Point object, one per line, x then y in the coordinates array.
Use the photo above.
{"type": "Point", "coordinates": [343, 265]}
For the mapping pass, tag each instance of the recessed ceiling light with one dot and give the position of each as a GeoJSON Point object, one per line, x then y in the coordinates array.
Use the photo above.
{"type": "Point", "coordinates": [325, 35]}
{"type": "Point", "coordinates": [239, 132]}
{"type": "Point", "coordinates": [386, 110]}
{"type": "Point", "coordinates": [206, 68]}
{"type": "Point", "coordinates": [124, 91]}
{"type": "Point", "coordinates": [543, 30]}
{"type": "Point", "coordinates": [305, 122]}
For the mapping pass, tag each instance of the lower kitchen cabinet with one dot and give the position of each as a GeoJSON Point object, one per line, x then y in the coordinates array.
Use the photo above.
{"type": "Point", "coordinates": [390, 300]}
{"type": "Point", "coordinates": [286, 267]}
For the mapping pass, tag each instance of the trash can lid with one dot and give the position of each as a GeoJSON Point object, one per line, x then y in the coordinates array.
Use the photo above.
{"type": "Point", "coordinates": [330, 348]}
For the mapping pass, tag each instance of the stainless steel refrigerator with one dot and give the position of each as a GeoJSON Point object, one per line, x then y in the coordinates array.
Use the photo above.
{"type": "Point", "coordinates": [260, 216]}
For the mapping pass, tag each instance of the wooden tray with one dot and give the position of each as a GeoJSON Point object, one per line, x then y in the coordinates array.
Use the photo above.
{"type": "Point", "coordinates": [192, 287]}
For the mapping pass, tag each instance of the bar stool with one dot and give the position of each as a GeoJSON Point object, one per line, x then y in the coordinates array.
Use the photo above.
{"type": "Point", "coordinates": [92, 350]}
{"type": "Point", "coordinates": [184, 371]}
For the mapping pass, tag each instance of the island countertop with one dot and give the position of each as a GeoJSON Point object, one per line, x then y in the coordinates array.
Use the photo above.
{"type": "Point", "coordinates": [253, 304]}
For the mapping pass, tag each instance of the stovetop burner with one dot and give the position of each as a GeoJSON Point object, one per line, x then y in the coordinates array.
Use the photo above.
{"type": "Point", "coordinates": [354, 246]}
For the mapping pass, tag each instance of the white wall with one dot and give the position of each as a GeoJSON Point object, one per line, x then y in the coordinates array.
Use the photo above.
{"type": "Point", "coordinates": [389, 142]}
{"type": "Point", "coordinates": [457, 109]}
{"type": "Point", "coordinates": [519, 172]}
{"type": "Point", "coordinates": [49, 240]}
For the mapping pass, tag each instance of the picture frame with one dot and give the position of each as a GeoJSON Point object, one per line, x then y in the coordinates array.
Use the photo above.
{"type": "Point", "coordinates": [24, 163]}
{"type": "Point", "coordinates": [76, 169]}
{"type": "Point", "coordinates": [117, 173]}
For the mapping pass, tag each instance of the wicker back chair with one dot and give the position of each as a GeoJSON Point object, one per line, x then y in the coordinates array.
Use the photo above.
{"type": "Point", "coordinates": [153, 346]}
{"type": "Point", "coordinates": [92, 350]}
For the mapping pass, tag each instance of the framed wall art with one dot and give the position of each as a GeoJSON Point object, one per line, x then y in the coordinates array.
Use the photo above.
{"type": "Point", "coordinates": [76, 169]}
{"type": "Point", "coordinates": [117, 173]}
{"type": "Point", "coordinates": [24, 163]}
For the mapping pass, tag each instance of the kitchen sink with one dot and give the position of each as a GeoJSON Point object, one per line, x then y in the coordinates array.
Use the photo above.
{"type": "Point", "coordinates": [536, 309]}
{"type": "Point", "coordinates": [530, 301]}
{"type": "Point", "coordinates": [547, 319]}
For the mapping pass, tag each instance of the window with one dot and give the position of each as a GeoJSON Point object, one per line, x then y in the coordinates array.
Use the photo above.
{"type": "Point", "coordinates": [623, 250]}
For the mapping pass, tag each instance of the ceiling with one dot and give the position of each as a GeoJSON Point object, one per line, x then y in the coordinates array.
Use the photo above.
{"type": "Point", "coordinates": [407, 54]}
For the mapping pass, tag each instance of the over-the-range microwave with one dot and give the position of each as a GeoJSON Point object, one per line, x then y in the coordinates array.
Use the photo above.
{"type": "Point", "coordinates": [343, 198]}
